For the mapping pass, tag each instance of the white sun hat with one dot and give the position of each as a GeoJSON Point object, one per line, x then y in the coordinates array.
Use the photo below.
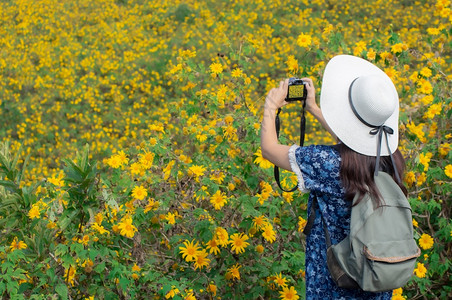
{"type": "Point", "coordinates": [360, 104]}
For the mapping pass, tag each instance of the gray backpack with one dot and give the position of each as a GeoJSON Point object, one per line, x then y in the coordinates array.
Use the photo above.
{"type": "Point", "coordinates": [380, 252]}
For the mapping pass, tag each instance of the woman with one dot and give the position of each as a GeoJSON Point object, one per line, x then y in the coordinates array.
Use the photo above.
{"type": "Point", "coordinates": [360, 110]}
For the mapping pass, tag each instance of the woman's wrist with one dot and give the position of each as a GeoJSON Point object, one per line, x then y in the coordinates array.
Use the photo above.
{"type": "Point", "coordinates": [314, 110]}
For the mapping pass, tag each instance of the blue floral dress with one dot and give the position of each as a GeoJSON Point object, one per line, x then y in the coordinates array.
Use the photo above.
{"type": "Point", "coordinates": [317, 169]}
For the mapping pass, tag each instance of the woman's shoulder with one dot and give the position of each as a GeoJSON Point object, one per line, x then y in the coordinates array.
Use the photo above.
{"type": "Point", "coordinates": [318, 150]}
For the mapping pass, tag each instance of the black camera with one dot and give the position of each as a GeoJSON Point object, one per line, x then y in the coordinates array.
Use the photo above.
{"type": "Point", "coordinates": [297, 90]}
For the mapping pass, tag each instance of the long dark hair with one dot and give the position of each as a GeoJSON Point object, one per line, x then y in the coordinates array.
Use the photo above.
{"type": "Point", "coordinates": [357, 173]}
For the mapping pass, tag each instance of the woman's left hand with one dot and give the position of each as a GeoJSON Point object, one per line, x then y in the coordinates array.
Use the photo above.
{"type": "Point", "coordinates": [276, 97]}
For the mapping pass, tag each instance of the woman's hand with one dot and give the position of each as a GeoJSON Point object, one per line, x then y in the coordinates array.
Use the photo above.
{"type": "Point", "coordinates": [276, 97]}
{"type": "Point", "coordinates": [313, 108]}
{"type": "Point", "coordinates": [311, 105]}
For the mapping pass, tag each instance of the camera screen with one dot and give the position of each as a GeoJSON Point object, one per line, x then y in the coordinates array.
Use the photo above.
{"type": "Point", "coordinates": [296, 91]}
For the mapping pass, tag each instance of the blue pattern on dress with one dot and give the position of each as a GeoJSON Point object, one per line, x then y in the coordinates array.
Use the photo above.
{"type": "Point", "coordinates": [319, 167]}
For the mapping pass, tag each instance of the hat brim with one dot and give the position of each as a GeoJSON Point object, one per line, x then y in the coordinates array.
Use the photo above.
{"type": "Point", "coordinates": [339, 73]}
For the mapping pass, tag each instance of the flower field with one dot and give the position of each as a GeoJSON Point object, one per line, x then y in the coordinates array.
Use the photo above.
{"type": "Point", "coordinates": [130, 162]}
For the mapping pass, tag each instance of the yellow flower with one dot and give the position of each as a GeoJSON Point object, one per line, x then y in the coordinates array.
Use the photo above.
{"type": "Point", "coordinates": [146, 159]}
{"type": "Point", "coordinates": [421, 178]}
{"type": "Point", "coordinates": [212, 246]}
{"type": "Point", "coordinates": [385, 55]}
{"type": "Point", "coordinates": [171, 218]}
{"type": "Point", "coordinates": [260, 222]}
{"type": "Point", "coordinates": [426, 241]}
{"type": "Point", "coordinates": [304, 40]}
{"type": "Point", "coordinates": [424, 159]}
{"type": "Point", "coordinates": [398, 291]}
{"type": "Point", "coordinates": [289, 294]}
{"type": "Point", "coordinates": [234, 271]}
{"type": "Point", "coordinates": [190, 250]}
{"type": "Point", "coordinates": [218, 200]}
{"type": "Point", "coordinates": [433, 110]}
{"type": "Point", "coordinates": [136, 268]}
{"type": "Point", "coordinates": [371, 54]}
{"type": "Point", "coordinates": [392, 73]}
{"type": "Point", "coordinates": [69, 274]}
{"type": "Point", "coordinates": [185, 159]}
{"type": "Point", "coordinates": [216, 68]}
{"type": "Point", "coordinates": [123, 160]}
{"type": "Point", "coordinates": [426, 72]}
{"type": "Point", "coordinates": [397, 48]}
{"type": "Point", "coordinates": [126, 227]}
{"type": "Point", "coordinates": [262, 162]}
{"type": "Point", "coordinates": [410, 178]}
{"type": "Point", "coordinates": [444, 149]}
{"type": "Point", "coordinates": [236, 72]}
{"type": "Point", "coordinates": [292, 63]}
{"type": "Point", "coordinates": [173, 292]}
{"type": "Point", "coordinates": [359, 47]}
{"type": "Point", "coordinates": [238, 242]}
{"type": "Point", "coordinates": [420, 270]}
{"type": "Point", "coordinates": [427, 99]}
{"type": "Point", "coordinates": [84, 240]}
{"type": "Point", "coordinates": [415, 223]}
{"type": "Point", "coordinates": [167, 169]}
{"type": "Point", "coordinates": [136, 169]}
{"type": "Point", "coordinates": [268, 233]}
{"type": "Point", "coordinates": [417, 130]}
{"type": "Point", "coordinates": [190, 296]}
{"type": "Point", "coordinates": [17, 245]}
{"type": "Point", "coordinates": [212, 288]}
{"type": "Point", "coordinates": [196, 171]}
{"type": "Point", "coordinates": [230, 133]}
{"type": "Point", "coordinates": [222, 236]}
{"type": "Point", "coordinates": [114, 161]}
{"type": "Point", "coordinates": [260, 248]}
{"type": "Point", "coordinates": [327, 30]}
{"type": "Point", "coordinates": [201, 259]}
{"type": "Point", "coordinates": [217, 177]}
{"type": "Point", "coordinates": [152, 205]}
{"type": "Point", "coordinates": [34, 212]}
{"type": "Point", "coordinates": [280, 280]}
{"type": "Point", "coordinates": [51, 225]}
{"type": "Point", "coordinates": [425, 87]}
{"type": "Point", "coordinates": [448, 171]}
{"type": "Point", "coordinates": [397, 297]}
{"type": "Point", "coordinates": [433, 31]}
{"type": "Point", "coordinates": [301, 224]}
{"type": "Point", "coordinates": [139, 192]}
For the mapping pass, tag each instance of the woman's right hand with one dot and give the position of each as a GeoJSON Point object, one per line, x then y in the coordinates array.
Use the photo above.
{"type": "Point", "coordinates": [311, 105]}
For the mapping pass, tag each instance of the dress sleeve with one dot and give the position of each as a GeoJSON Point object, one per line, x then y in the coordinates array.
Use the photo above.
{"type": "Point", "coordinates": [317, 168]}
{"type": "Point", "coordinates": [296, 168]}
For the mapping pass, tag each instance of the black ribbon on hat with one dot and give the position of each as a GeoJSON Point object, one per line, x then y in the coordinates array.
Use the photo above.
{"type": "Point", "coordinates": [376, 130]}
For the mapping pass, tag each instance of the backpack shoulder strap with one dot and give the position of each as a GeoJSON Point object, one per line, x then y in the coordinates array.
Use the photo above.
{"type": "Point", "coordinates": [311, 219]}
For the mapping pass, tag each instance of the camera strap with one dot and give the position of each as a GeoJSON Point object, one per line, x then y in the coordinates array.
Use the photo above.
{"type": "Point", "coordinates": [302, 134]}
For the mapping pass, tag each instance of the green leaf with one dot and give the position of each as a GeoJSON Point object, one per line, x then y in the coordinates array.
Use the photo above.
{"type": "Point", "coordinates": [24, 167]}
{"type": "Point", "coordinates": [61, 249]}
{"type": "Point", "coordinates": [124, 283]}
{"type": "Point", "coordinates": [12, 287]}
{"type": "Point", "coordinates": [61, 290]}
{"type": "Point", "coordinates": [100, 268]}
